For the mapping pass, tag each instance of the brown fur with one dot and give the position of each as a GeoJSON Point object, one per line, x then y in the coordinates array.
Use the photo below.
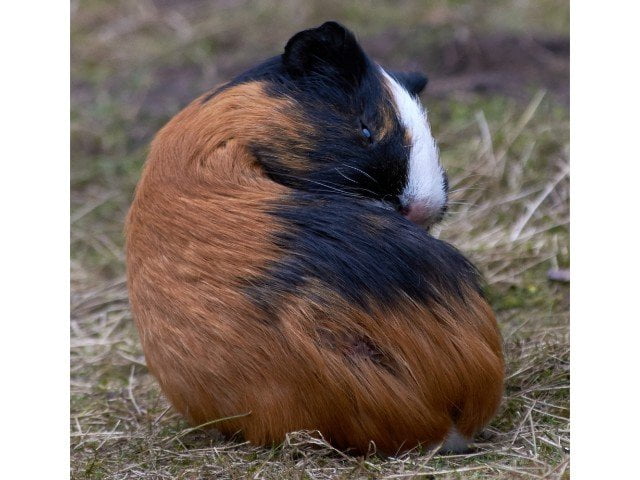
{"type": "Point", "coordinates": [198, 228]}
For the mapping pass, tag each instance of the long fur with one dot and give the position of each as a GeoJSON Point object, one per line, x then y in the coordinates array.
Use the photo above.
{"type": "Point", "coordinates": [294, 307]}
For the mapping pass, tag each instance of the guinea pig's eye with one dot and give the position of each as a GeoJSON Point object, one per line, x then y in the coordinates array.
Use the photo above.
{"type": "Point", "coordinates": [365, 132]}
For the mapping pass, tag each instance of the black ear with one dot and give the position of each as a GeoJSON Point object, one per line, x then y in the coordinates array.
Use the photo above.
{"type": "Point", "coordinates": [413, 82]}
{"type": "Point", "coordinates": [329, 50]}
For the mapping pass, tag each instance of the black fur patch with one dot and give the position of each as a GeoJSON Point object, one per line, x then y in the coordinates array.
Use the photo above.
{"type": "Point", "coordinates": [329, 51]}
{"type": "Point", "coordinates": [413, 82]}
{"type": "Point", "coordinates": [361, 250]}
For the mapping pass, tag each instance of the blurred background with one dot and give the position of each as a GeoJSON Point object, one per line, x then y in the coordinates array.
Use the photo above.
{"type": "Point", "coordinates": [498, 102]}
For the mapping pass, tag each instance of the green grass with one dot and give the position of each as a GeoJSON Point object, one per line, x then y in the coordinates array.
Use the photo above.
{"type": "Point", "coordinates": [135, 64]}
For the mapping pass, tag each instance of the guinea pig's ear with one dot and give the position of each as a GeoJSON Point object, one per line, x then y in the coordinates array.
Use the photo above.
{"type": "Point", "coordinates": [413, 82]}
{"type": "Point", "coordinates": [328, 50]}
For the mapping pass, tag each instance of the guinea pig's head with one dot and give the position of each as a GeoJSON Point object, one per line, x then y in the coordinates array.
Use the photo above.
{"type": "Point", "coordinates": [359, 130]}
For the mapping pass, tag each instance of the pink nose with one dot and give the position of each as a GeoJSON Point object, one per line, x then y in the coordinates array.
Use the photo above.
{"type": "Point", "coordinates": [420, 213]}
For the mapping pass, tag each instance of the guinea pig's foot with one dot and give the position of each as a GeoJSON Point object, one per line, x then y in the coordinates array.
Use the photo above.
{"type": "Point", "coordinates": [455, 443]}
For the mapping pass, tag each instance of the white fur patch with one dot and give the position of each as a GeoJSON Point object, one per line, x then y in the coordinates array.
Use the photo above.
{"type": "Point", "coordinates": [426, 176]}
{"type": "Point", "coordinates": [455, 442]}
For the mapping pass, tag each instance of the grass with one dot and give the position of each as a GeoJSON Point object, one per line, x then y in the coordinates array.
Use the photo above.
{"type": "Point", "coordinates": [503, 141]}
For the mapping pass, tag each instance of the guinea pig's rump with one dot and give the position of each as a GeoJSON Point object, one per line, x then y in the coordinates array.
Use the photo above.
{"type": "Point", "coordinates": [288, 311]}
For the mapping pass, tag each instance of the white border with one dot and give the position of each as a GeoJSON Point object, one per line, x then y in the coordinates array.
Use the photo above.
{"type": "Point", "coordinates": [605, 239]}
{"type": "Point", "coordinates": [605, 166]}
{"type": "Point", "coordinates": [35, 239]}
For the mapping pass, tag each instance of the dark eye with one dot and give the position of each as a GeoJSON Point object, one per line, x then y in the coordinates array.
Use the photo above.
{"type": "Point", "coordinates": [366, 133]}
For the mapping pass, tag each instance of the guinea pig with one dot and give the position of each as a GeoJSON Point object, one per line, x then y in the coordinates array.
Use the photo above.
{"type": "Point", "coordinates": [280, 269]}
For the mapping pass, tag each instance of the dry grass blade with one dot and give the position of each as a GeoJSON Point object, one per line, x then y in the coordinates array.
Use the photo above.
{"type": "Point", "coordinates": [205, 425]}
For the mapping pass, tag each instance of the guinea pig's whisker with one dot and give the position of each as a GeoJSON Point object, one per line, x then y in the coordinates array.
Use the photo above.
{"type": "Point", "coordinates": [335, 189]}
{"type": "Point", "coordinates": [356, 188]}
{"type": "Point", "coordinates": [361, 171]}
{"type": "Point", "coordinates": [340, 172]}
{"type": "Point", "coordinates": [335, 186]}
{"type": "Point", "coordinates": [364, 190]}
{"type": "Point", "coordinates": [462, 203]}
